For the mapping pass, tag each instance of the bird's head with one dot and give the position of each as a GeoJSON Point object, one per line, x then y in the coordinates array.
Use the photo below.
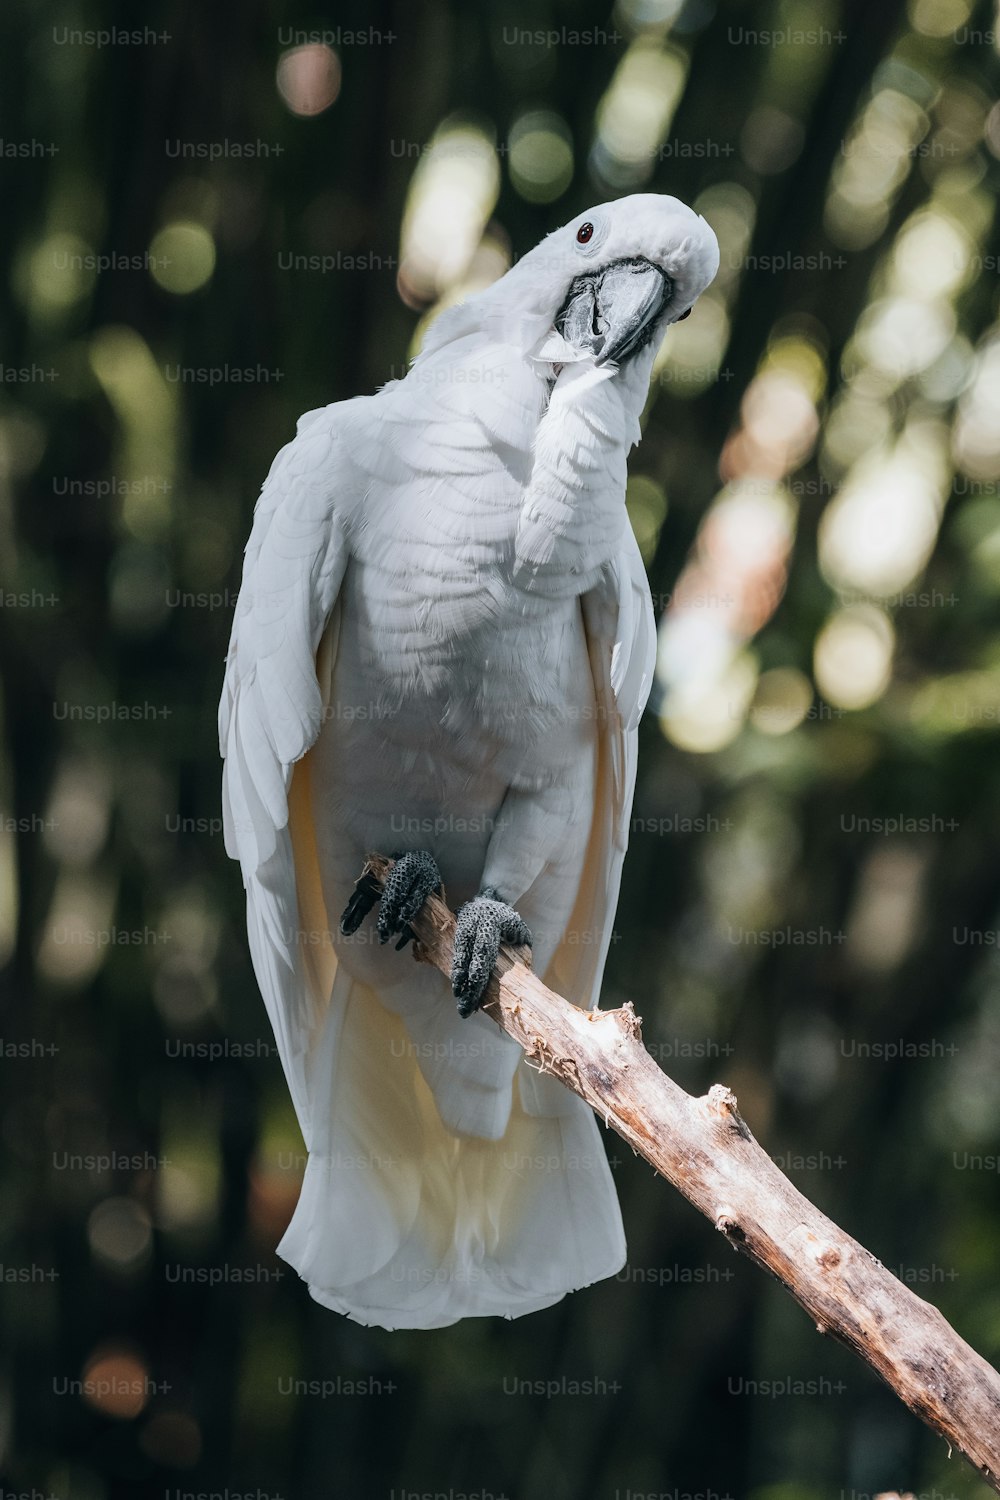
{"type": "Point", "coordinates": [607, 285]}
{"type": "Point", "coordinates": [634, 267]}
{"type": "Point", "coordinates": [597, 291]}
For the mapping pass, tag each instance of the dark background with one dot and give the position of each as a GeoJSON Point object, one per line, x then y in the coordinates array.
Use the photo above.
{"type": "Point", "coordinates": [840, 974]}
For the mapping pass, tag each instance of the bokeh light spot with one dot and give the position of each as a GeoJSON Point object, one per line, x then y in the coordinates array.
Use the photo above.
{"type": "Point", "coordinates": [120, 1234]}
{"type": "Point", "coordinates": [62, 271]}
{"type": "Point", "coordinates": [783, 698]}
{"type": "Point", "coordinates": [117, 1382]}
{"type": "Point", "coordinates": [308, 78]}
{"type": "Point", "coordinates": [853, 656]}
{"type": "Point", "coordinates": [452, 194]}
{"type": "Point", "coordinates": [172, 1438]}
{"type": "Point", "coordinates": [182, 257]}
{"type": "Point", "coordinates": [540, 156]}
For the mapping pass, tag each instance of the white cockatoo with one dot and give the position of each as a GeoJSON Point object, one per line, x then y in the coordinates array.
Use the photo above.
{"type": "Point", "coordinates": [442, 646]}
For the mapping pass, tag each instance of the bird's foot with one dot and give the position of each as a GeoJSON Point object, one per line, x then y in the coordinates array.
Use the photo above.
{"type": "Point", "coordinates": [366, 893]}
{"type": "Point", "coordinates": [410, 881]}
{"type": "Point", "coordinates": [483, 924]}
{"type": "Point", "coordinates": [407, 886]}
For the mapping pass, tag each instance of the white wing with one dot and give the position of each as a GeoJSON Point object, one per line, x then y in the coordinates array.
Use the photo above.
{"type": "Point", "coordinates": [621, 635]}
{"type": "Point", "coordinates": [270, 714]}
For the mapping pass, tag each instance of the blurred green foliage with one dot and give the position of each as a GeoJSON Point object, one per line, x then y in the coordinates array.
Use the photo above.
{"type": "Point", "coordinates": [160, 339]}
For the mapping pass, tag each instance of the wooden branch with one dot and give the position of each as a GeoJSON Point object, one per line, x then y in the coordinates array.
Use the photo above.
{"type": "Point", "coordinates": [704, 1148]}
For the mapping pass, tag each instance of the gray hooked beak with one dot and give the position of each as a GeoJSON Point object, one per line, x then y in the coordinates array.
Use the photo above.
{"type": "Point", "coordinates": [612, 312]}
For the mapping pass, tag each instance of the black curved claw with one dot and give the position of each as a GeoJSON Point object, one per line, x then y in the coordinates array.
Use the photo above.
{"type": "Point", "coordinates": [483, 924]}
{"type": "Point", "coordinates": [366, 893]}
{"type": "Point", "coordinates": [410, 881]}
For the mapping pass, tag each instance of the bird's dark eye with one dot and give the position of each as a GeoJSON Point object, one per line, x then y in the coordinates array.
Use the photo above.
{"type": "Point", "coordinates": [684, 315]}
{"type": "Point", "coordinates": [584, 233]}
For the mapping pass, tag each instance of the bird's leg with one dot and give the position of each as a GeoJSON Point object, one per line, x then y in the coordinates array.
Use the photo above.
{"type": "Point", "coordinates": [410, 881]}
{"type": "Point", "coordinates": [483, 924]}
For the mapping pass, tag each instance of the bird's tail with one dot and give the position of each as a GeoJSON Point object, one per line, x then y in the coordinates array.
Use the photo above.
{"type": "Point", "coordinates": [403, 1222]}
